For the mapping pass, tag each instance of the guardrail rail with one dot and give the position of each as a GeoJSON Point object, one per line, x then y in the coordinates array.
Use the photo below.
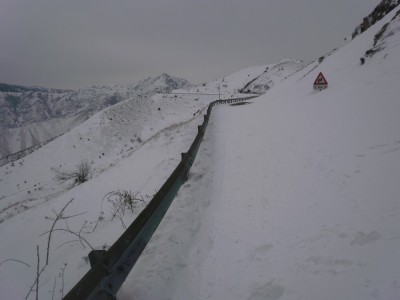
{"type": "Point", "coordinates": [110, 268]}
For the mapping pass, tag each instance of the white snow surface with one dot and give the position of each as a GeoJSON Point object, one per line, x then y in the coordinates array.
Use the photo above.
{"type": "Point", "coordinates": [133, 145]}
{"type": "Point", "coordinates": [250, 80]}
{"type": "Point", "coordinates": [273, 75]}
{"type": "Point", "coordinates": [292, 196]}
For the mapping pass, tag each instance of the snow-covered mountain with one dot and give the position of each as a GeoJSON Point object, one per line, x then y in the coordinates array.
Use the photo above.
{"type": "Point", "coordinates": [33, 116]}
{"type": "Point", "coordinates": [272, 75]}
{"type": "Point", "coordinates": [153, 129]}
{"type": "Point", "coordinates": [257, 79]}
{"type": "Point", "coordinates": [30, 116]}
{"type": "Point", "coordinates": [293, 196]}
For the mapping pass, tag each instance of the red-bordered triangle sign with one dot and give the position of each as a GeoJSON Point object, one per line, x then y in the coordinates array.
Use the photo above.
{"type": "Point", "coordinates": [320, 80]}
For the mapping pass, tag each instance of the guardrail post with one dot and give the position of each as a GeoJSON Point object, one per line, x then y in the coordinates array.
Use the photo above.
{"type": "Point", "coordinates": [95, 255]}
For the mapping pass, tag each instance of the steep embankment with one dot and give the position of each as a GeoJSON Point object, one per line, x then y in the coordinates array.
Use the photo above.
{"type": "Point", "coordinates": [300, 200]}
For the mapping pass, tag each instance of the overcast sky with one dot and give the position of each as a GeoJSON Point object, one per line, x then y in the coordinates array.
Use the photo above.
{"type": "Point", "coordinates": [78, 43]}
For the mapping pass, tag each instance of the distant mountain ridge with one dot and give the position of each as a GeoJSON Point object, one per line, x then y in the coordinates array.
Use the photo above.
{"type": "Point", "coordinates": [21, 105]}
{"type": "Point", "coordinates": [273, 74]}
{"type": "Point", "coordinates": [12, 88]}
{"type": "Point", "coordinates": [251, 80]}
{"type": "Point", "coordinates": [32, 115]}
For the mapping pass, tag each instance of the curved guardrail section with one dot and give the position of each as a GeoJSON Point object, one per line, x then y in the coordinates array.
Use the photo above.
{"type": "Point", "coordinates": [110, 268]}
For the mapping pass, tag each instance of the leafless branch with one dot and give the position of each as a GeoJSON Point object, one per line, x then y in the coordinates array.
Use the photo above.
{"type": "Point", "coordinates": [62, 279]}
{"type": "Point", "coordinates": [99, 219]}
{"type": "Point", "coordinates": [73, 241]}
{"type": "Point", "coordinates": [58, 217]}
{"type": "Point", "coordinates": [64, 218]}
{"type": "Point", "coordinates": [16, 260]}
{"type": "Point", "coordinates": [74, 233]}
{"type": "Point", "coordinates": [37, 272]}
{"type": "Point", "coordinates": [54, 288]}
{"type": "Point", "coordinates": [34, 283]}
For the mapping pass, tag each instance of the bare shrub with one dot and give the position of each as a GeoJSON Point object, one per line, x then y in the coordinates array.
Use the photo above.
{"type": "Point", "coordinates": [121, 201]}
{"type": "Point", "coordinates": [79, 175]}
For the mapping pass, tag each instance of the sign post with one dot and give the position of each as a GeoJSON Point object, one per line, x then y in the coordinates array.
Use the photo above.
{"type": "Point", "coordinates": [320, 83]}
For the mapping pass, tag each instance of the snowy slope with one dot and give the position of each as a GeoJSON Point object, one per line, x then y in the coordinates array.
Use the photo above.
{"type": "Point", "coordinates": [273, 74]}
{"type": "Point", "coordinates": [32, 115]}
{"type": "Point", "coordinates": [103, 140]}
{"type": "Point", "coordinates": [231, 83]}
{"type": "Point", "coordinates": [255, 79]}
{"type": "Point", "coordinates": [133, 145]}
{"type": "Point", "coordinates": [293, 196]}
{"type": "Point", "coordinates": [128, 149]}
{"type": "Point", "coordinates": [300, 198]}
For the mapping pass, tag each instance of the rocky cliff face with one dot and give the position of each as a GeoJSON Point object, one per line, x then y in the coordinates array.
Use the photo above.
{"type": "Point", "coordinates": [377, 14]}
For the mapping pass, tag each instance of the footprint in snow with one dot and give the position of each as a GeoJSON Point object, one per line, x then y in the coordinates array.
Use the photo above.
{"type": "Point", "coordinates": [269, 291]}
{"type": "Point", "coordinates": [261, 251]}
{"type": "Point", "coordinates": [362, 238]}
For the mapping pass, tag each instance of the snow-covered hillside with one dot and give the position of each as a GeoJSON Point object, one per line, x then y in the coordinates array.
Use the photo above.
{"type": "Point", "coordinates": [256, 79]}
{"type": "Point", "coordinates": [143, 135]}
{"type": "Point", "coordinates": [272, 75]}
{"type": "Point", "coordinates": [292, 196]}
{"type": "Point", "coordinates": [31, 115]}
{"type": "Point", "coordinates": [295, 195]}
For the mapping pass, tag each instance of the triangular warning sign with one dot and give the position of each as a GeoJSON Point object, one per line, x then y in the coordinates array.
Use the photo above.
{"type": "Point", "coordinates": [320, 80]}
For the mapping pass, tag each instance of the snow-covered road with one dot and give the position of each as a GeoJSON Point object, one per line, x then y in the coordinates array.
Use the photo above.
{"type": "Point", "coordinates": [293, 219]}
{"type": "Point", "coordinates": [264, 217]}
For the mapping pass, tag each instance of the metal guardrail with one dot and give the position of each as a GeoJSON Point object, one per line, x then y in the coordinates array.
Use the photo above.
{"type": "Point", "coordinates": [22, 153]}
{"type": "Point", "coordinates": [110, 268]}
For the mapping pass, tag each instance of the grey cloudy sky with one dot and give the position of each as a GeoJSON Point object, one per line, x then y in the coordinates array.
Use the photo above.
{"type": "Point", "coordinates": [77, 43]}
